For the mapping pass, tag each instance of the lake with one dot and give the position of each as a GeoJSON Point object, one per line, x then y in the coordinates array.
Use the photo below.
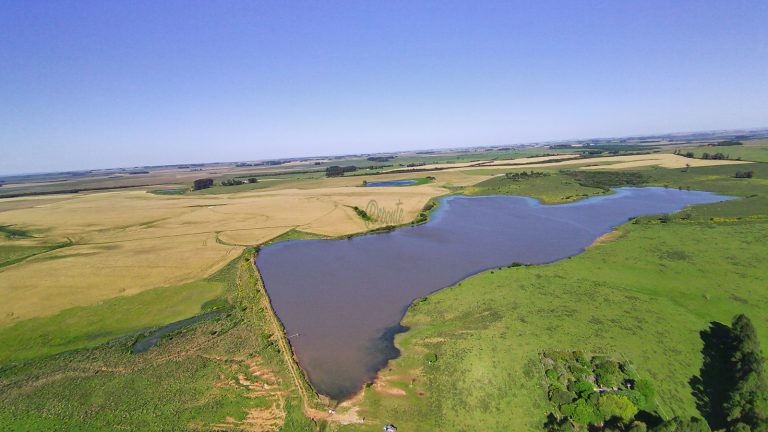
{"type": "Point", "coordinates": [341, 301]}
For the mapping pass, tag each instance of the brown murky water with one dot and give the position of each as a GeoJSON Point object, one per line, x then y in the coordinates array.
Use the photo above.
{"type": "Point", "coordinates": [341, 301]}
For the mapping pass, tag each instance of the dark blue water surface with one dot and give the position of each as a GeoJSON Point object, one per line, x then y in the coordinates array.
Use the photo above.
{"type": "Point", "coordinates": [345, 298]}
{"type": "Point", "coordinates": [391, 183]}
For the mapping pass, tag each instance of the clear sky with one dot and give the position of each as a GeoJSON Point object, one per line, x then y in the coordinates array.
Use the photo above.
{"type": "Point", "coordinates": [96, 84]}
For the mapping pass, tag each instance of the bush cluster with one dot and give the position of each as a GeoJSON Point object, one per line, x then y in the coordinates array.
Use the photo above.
{"type": "Point", "coordinates": [594, 391]}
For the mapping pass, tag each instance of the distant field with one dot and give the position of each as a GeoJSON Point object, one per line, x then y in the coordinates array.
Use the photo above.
{"type": "Point", "coordinates": [755, 150]}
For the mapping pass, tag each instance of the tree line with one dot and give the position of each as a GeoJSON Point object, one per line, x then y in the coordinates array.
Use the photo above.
{"type": "Point", "coordinates": [208, 182]}
{"type": "Point", "coordinates": [338, 171]}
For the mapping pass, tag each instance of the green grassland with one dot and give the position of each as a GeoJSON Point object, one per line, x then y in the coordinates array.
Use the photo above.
{"type": "Point", "coordinates": [190, 381]}
{"type": "Point", "coordinates": [756, 151]}
{"type": "Point", "coordinates": [552, 188]}
{"type": "Point", "coordinates": [87, 326]}
{"type": "Point", "coordinates": [295, 234]}
{"type": "Point", "coordinates": [12, 252]}
{"type": "Point", "coordinates": [644, 296]}
{"type": "Point", "coordinates": [217, 188]}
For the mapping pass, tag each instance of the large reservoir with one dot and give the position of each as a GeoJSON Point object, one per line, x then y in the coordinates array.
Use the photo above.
{"type": "Point", "coordinates": [341, 301]}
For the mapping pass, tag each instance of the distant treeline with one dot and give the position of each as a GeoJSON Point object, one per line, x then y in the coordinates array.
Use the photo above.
{"type": "Point", "coordinates": [238, 182]}
{"type": "Point", "coordinates": [381, 158]}
{"type": "Point", "coordinates": [338, 171]}
{"type": "Point", "coordinates": [727, 143]}
{"type": "Point", "coordinates": [705, 155]}
{"type": "Point", "coordinates": [525, 175]}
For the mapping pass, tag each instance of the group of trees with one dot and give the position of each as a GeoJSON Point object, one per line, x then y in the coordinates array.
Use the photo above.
{"type": "Point", "coordinates": [208, 182]}
{"type": "Point", "coordinates": [715, 156]}
{"type": "Point", "coordinates": [232, 182]}
{"type": "Point", "coordinates": [705, 155]}
{"type": "Point", "coordinates": [744, 174]}
{"type": "Point", "coordinates": [381, 158]}
{"type": "Point", "coordinates": [746, 407]}
{"type": "Point", "coordinates": [525, 175]}
{"type": "Point", "coordinates": [338, 171]}
{"type": "Point", "coordinates": [202, 183]}
{"type": "Point", "coordinates": [238, 182]}
{"type": "Point", "coordinates": [595, 392]}
{"type": "Point", "coordinates": [732, 389]}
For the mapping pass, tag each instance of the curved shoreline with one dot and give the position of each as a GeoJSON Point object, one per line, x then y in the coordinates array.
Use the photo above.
{"type": "Point", "coordinates": [286, 263]}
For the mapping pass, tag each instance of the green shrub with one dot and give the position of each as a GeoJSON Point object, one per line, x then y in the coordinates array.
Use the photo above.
{"type": "Point", "coordinates": [693, 424]}
{"type": "Point", "coordinates": [635, 397]}
{"type": "Point", "coordinates": [561, 397]}
{"type": "Point", "coordinates": [552, 375]}
{"type": "Point", "coordinates": [556, 386]}
{"type": "Point", "coordinates": [582, 388]}
{"type": "Point", "coordinates": [582, 412]}
{"type": "Point", "coordinates": [608, 374]}
{"type": "Point", "coordinates": [616, 406]}
{"type": "Point", "coordinates": [579, 372]}
{"type": "Point", "coordinates": [581, 359]}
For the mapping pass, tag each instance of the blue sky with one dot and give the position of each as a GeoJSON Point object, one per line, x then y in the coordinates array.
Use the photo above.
{"type": "Point", "coordinates": [91, 84]}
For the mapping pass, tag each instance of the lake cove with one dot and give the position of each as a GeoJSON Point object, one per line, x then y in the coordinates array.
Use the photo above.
{"type": "Point", "coordinates": [341, 301]}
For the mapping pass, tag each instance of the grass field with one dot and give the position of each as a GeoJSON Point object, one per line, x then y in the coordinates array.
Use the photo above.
{"type": "Point", "coordinates": [90, 325]}
{"type": "Point", "coordinates": [552, 188]}
{"type": "Point", "coordinates": [755, 150]}
{"type": "Point", "coordinates": [227, 373]}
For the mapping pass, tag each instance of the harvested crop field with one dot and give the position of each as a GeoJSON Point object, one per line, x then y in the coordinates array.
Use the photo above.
{"type": "Point", "coordinates": [664, 160]}
{"type": "Point", "coordinates": [124, 242]}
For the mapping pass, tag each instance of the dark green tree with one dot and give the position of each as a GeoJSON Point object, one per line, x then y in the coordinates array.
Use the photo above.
{"type": "Point", "coordinates": [747, 402]}
{"type": "Point", "coordinates": [694, 424]}
{"type": "Point", "coordinates": [203, 183]}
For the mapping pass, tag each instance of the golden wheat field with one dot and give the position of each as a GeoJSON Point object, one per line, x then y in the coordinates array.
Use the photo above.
{"type": "Point", "coordinates": [125, 242]}
{"type": "Point", "coordinates": [664, 160]}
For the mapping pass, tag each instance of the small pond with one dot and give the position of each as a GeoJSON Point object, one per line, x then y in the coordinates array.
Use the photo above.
{"type": "Point", "coordinates": [391, 183]}
{"type": "Point", "coordinates": [342, 300]}
{"type": "Point", "coordinates": [145, 343]}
